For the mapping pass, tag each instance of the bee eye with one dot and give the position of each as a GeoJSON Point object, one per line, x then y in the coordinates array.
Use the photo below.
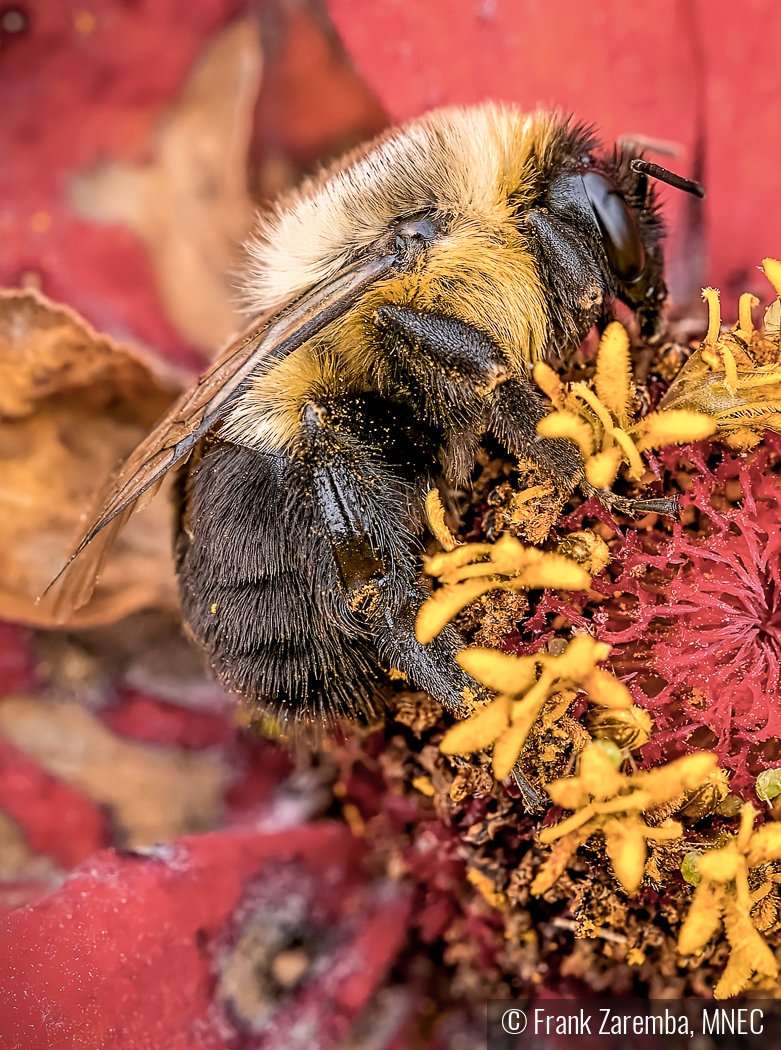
{"type": "Point", "coordinates": [420, 230]}
{"type": "Point", "coordinates": [617, 223]}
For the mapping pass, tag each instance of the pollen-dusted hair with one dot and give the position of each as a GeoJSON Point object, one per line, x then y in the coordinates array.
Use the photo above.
{"type": "Point", "coordinates": [474, 171]}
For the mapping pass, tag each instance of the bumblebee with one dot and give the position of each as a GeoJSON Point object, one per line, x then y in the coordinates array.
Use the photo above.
{"type": "Point", "coordinates": [400, 299]}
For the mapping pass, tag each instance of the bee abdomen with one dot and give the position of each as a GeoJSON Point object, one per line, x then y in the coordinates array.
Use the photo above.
{"type": "Point", "coordinates": [260, 594]}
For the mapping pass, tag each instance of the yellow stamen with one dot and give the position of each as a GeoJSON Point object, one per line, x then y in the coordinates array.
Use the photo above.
{"type": "Point", "coordinates": [636, 465]}
{"type": "Point", "coordinates": [568, 425]}
{"type": "Point", "coordinates": [747, 815]}
{"type": "Point", "coordinates": [548, 381]}
{"type": "Point", "coordinates": [601, 469]}
{"type": "Point", "coordinates": [542, 490]}
{"type": "Point", "coordinates": [711, 297]}
{"type": "Point", "coordinates": [755, 379]}
{"type": "Point", "coordinates": [730, 369]}
{"type": "Point", "coordinates": [746, 303]}
{"type": "Point", "coordinates": [772, 268]}
{"type": "Point", "coordinates": [577, 820]}
{"type": "Point", "coordinates": [435, 513]}
{"type": "Point", "coordinates": [613, 378]}
{"type": "Point", "coordinates": [591, 399]}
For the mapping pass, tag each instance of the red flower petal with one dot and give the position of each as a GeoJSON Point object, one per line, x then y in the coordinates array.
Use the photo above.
{"type": "Point", "coordinates": [683, 73]}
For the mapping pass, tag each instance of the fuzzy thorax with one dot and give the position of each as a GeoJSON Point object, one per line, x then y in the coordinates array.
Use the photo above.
{"type": "Point", "coordinates": [489, 282]}
{"type": "Point", "coordinates": [474, 170]}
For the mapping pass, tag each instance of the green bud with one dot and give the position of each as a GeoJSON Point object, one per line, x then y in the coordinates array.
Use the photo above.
{"type": "Point", "coordinates": [689, 867]}
{"type": "Point", "coordinates": [768, 784]}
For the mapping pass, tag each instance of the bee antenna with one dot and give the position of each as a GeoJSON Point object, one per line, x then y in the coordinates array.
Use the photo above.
{"type": "Point", "coordinates": [656, 171]}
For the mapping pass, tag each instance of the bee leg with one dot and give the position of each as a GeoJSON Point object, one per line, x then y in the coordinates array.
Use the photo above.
{"type": "Point", "coordinates": [451, 359]}
{"type": "Point", "coordinates": [667, 505]}
{"type": "Point", "coordinates": [514, 410]}
{"type": "Point", "coordinates": [532, 799]}
{"type": "Point", "coordinates": [447, 367]}
{"type": "Point", "coordinates": [364, 507]}
{"type": "Point", "coordinates": [461, 381]}
{"type": "Point", "coordinates": [431, 667]}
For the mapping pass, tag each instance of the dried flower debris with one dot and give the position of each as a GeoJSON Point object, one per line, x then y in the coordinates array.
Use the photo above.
{"type": "Point", "coordinates": [525, 684]}
{"type": "Point", "coordinates": [735, 377]}
{"type": "Point", "coordinates": [72, 404]}
{"type": "Point", "coordinates": [724, 898]}
{"type": "Point", "coordinates": [474, 569]}
{"type": "Point", "coordinates": [605, 800]}
{"type": "Point", "coordinates": [597, 686]}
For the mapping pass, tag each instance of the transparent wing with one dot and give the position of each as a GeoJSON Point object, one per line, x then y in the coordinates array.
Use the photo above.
{"type": "Point", "coordinates": [271, 338]}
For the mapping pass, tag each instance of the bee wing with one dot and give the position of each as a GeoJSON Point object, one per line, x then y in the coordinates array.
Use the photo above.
{"type": "Point", "coordinates": [268, 340]}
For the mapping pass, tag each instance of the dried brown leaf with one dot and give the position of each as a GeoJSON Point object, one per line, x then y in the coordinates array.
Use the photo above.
{"type": "Point", "coordinates": [72, 404]}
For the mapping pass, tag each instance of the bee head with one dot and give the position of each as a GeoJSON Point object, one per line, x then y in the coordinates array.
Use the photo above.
{"type": "Point", "coordinates": [610, 203]}
{"type": "Point", "coordinates": [512, 224]}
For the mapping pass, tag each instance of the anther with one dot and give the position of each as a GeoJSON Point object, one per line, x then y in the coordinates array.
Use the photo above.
{"type": "Point", "coordinates": [711, 297]}
{"type": "Point", "coordinates": [746, 303]}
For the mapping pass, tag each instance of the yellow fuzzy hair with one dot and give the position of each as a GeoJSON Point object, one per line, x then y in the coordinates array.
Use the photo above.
{"type": "Point", "coordinates": [474, 168]}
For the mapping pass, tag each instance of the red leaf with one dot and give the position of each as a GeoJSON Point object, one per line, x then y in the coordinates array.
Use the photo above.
{"type": "Point", "coordinates": [99, 84]}
{"type": "Point", "coordinates": [675, 72]}
{"type": "Point", "coordinates": [158, 722]}
{"type": "Point", "coordinates": [57, 820]}
{"type": "Point", "coordinates": [124, 954]}
{"type": "Point", "coordinates": [16, 665]}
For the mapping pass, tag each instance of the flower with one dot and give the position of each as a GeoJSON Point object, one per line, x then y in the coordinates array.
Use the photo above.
{"type": "Point", "coordinates": [525, 683]}
{"type": "Point", "coordinates": [726, 602]}
{"type": "Point", "coordinates": [708, 611]}
{"type": "Point", "coordinates": [473, 569]}
{"type": "Point", "coordinates": [735, 377]}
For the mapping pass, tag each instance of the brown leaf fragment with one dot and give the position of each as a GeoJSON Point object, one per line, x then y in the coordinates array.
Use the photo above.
{"type": "Point", "coordinates": [417, 711]}
{"type": "Point", "coordinates": [72, 404]}
{"type": "Point", "coordinates": [189, 202]}
{"type": "Point", "coordinates": [155, 793]}
{"type": "Point", "coordinates": [471, 780]}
